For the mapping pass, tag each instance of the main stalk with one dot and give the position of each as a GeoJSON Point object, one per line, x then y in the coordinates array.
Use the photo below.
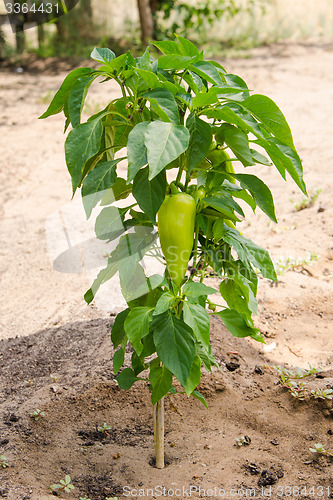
{"type": "Point", "coordinates": [158, 423]}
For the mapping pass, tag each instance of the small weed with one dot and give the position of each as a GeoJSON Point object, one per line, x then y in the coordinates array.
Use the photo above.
{"type": "Point", "coordinates": [307, 202]}
{"type": "Point", "coordinates": [322, 394]}
{"type": "Point", "coordinates": [37, 414]}
{"type": "Point", "coordinates": [65, 485]}
{"type": "Point", "coordinates": [53, 377]}
{"type": "Point", "coordinates": [3, 462]}
{"type": "Point", "coordinates": [297, 373]}
{"type": "Point", "coordinates": [296, 389]}
{"type": "Point", "coordinates": [28, 382]}
{"type": "Point", "coordinates": [321, 450]}
{"type": "Point", "coordinates": [285, 264]}
{"type": "Point", "coordinates": [45, 98]}
{"type": "Point", "coordinates": [243, 440]}
{"type": "Point", "coordinates": [104, 428]}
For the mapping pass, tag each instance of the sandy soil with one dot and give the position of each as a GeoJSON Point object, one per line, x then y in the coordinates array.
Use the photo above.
{"type": "Point", "coordinates": [46, 327]}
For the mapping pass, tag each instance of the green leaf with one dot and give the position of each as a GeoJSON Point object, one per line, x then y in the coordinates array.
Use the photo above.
{"type": "Point", "coordinates": [164, 303]}
{"type": "Point", "coordinates": [250, 252]}
{"type": "Point", "coordinates": [137, 326]}
{"type": "Point", "coordinates": [77, 97]}
{"type": "Point", "coordinates": [200, 141]}
{"type": "Point", "coordinates": [132, 278]}
{"type": "Point", "coordinates": [165, 142]}
{"type": "Point", "coordinates": [101, 178]}
{"type": "Point", "coordinates": [150, 284]}
{"type": "Point", "coordinates": [205, 98]}
{"type": "Point", "coordinates": [168, 47]}
{"type": "Point", "coordinates": [194, 378]}
{"type": "Point", "coordinates": [234, 82]}
{"type": "Point", "coordinates": [149, 194]}
{"type": "Point", "coordinates": [207, 71]}
{"type": "Point", "coordinates": [223, 204]}
{"type": "Point", "coordinates": [196, 317]}
{"type": "Point", "coordinates": [283, 156]}
{"type": "Point", "coordinates": [186, 47]}
{"type": "Point", "coordinates": [196, 289]}
{"type": "Point", "coordinates": [103, 276]}
{"type": "Point", "coordinates": [102, 54]}
{"type": "Point", "coordinates": [136, 150]}
{"type": "Point", "coordinates": [163, 103]}
{"type": "Point", "coordinates": [237, 142]}
{"type": "Point", "coordinates": [126, 379]}
{"type": "Point", "coordinates": [61, 96]}
{"type": "Point", "coordinates": [120, 190]}
{"type": "Point", "coordinates": [148, 77]}
{"type": "Point", "coordinates": [118, 360]}
{"type": "Point", "coordinates": [110, 222]}
{"type": "Point", "coordinates": [175, 345]}
{"type": "Point", "coordinates": [194, 81]}
{"type": "Point", "coordinates": [260, 192]}
{"type": "Point", "coordinates": [265, 110]}
{"type": "Point", "coordinates": [137, 363]}
{"type": "Point", "coordinates": [206, 356]}
{"type": "Point", "coordinates": [290, 160]}
{"type": "Point", "coordinates": [237, 325]}
{"type": "Point", "coordinates": [129, 252]}
{"type": "Point", "coordinates": [200, 397]}
{"type": "Point", "coordinates": [117, 329]}
{"type": "Point", "coordinates": [238, 296]}
{"type": "Point", "coordinates": [144, 62]}
{"type": "Point", "coordinates": [82, 143]}
{"type": "Point", "coordinates": [259, 158]}
{"type": "Point", "coordinates": [175, 62]}
{"type": "Point", "coordinates": [233, 113]}
{"type": "Point", "coordinates": [161, 380]}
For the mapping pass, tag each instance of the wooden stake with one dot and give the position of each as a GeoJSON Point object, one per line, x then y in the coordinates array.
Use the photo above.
{"type": "Point", "coordinates": [158, 423]}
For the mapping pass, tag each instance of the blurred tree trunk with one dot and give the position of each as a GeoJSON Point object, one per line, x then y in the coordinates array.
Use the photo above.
{"type": "Point", "coordinates": [20, 38]}
{"type": "Point", "coordinates": [146, 21]}
{"type": "Point", "coordinates": [86, 6]}
{"type": "Point", "coordinates": [2, 44]}
{"type": "Point", "coordinates": [41, 35]}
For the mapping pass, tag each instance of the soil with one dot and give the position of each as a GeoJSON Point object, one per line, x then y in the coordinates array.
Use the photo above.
{"type": "Point", "coordinates": [47, 329]}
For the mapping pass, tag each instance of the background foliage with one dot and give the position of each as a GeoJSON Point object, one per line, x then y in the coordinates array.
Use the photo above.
{"type": "Point", "coordinates": [216, 24]}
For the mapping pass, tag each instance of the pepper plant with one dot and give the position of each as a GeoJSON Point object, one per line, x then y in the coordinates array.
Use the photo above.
{"type": "Point", "coordinates": [185, 128]}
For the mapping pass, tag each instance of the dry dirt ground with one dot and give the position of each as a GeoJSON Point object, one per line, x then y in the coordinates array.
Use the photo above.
{"type": "Point", "coordinates": [46, 327]}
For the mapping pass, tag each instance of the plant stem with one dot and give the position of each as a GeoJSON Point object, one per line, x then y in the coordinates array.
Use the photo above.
{"type": "Point", "coordinates": [180, 169]}
{"type": "Point", "coordinates": [195, 251]}
{"type": "Point", "coordinates": [158, 422]}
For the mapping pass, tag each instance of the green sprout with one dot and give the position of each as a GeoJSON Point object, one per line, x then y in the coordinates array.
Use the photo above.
{"type": "Point", "coordinates": [37, 414]}
{"type": "Point", "coordinates": [65, 485]}
{"type": "Point", "coordinates": [104, 428]}
{"type": "Point", "coordinates": [3, 462]}
{"type": "Point", "coordinates": [322, 394]}
{"type": "Point", "coordinates": [297, 373]}
{"type": "Point", "coordinates": [296, 389]}
{"type": "Point", "coordinates": [284, 264]}
{"type": "Point", "coordinates": [321, 450]}
{"type": "Point", "coordinates": [53, 377]}
{"type": "Point", "coordinates": [307, 202]}
{"type": "Point", "coordinates": [243, 440]}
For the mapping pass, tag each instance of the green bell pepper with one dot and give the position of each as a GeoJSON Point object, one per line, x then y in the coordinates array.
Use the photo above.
{"type": "Point", "coordinates": [176, 221]}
